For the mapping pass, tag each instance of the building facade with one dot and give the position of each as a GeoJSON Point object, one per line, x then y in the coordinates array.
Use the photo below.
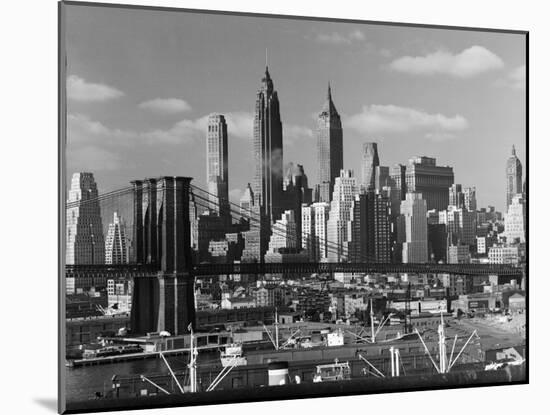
{"type": "Point", "coordinates": [345, 188]}
{"type": "Point", "coordinates": [267, 154]}
{"type": "Point", "coordinates": [424, 176]}
{"type": "Point", "coordinates": [85, 243]}
{"type": "Point", "coordinates": [116, 250]}
{"type": "Point", "coordinates": [514, 221]}
{"type": "Point", "coordinates": [513, 177]}
{"type": "Point", "coordinates": [470, 201]}
{"type": "Point", "coordinates": [413, 226]}
{"type": "Point", "coordinates": [502, 254]}
{"type": "Point", "coordinates": [330, 148]}
{"type": "Point", "coordinates": [369, 163]}
{"type": "Point", "coordinates": [369, 229]}
{"type": "Point", "coordinates": [217, 180]}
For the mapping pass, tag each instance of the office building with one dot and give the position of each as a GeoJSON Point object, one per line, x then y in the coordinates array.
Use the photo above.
{"type": "Point", "coordinates": [461, 225]}
{"type": "Point", "coordinates": [330, 150]}
{"type": "Point", "coordinates": [369, 163]}
{"type": "Point", "coordinates": [295, 193]}
{"type": "Point", "coordinates": [267, 146]}
{"type": "Point", "coordinates": [369, 229]}
{"type": "Point", "coordinates": [502, 254]}
{"type": "Point", "coordinates": [84, 229]}
{"type": "Point", "coordinates": [345, 188]}
{"type": "Point", "coordinates": [314, 230]}
{"type": "Point", "coordinates": [514, 221]}
{"type": "Point", "coordinates": [470, 201]}
{"type": "Point", "coordinates": [458, 254]}
{"type": "Point", "coordinates": [398, 179]}
{"type": "Point", "coordinates": [217, 180]}
{"type": "Point", "coordinates": [513, 177]}
{"type": "Point", "coordinates": [413, 227]}
{"type": "Point", "coordinates": [283, 232]}
{"type": "Point", "coordinates": [116, 249]}
{"type": "Point", "coordinates": [456, 196]}
{"type": "Point", "coordinates": [424, 176]}
{"type": "Point", "coordinates": [437, 241]}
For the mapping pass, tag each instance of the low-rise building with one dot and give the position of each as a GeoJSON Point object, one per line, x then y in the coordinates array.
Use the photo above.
{"type": "Point", "coordinates": [501, 254]}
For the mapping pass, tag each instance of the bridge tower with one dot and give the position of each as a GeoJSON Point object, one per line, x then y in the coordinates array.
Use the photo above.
{"type": "Point", "coordinates": [162, 238]}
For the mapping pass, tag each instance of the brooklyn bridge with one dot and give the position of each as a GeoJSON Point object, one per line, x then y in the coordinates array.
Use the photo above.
{"type": "Point", "coordinates": [162, 266]}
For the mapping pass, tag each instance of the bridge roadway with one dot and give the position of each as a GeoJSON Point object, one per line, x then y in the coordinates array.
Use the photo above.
{"type": "Point", "coordinates": [149, 270]}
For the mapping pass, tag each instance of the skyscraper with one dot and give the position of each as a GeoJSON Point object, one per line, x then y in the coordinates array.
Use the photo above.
{"type": "Point", "coordinates": [268, 162]}
{"type": "Point", "coordinates": [84, 237]}
{"type": "Point", "coordinates": [470, 201]}
{"type": "Point", "coordinates": [413, 228]}
{"type": "Point", "coordinates": [424, 176]}
{"type": "Point", "coordinates": [398, 179]}
{"type": "Point", "coordinates": [460, 224]}
{"type": "Point", "coordinates": [268, 151]}
{"type": "Point", "coordinates": [284, 233]}
{"type": "Point", "coordinates": [216, 165]}
{"type": "Point", "coordinates": [456, 196]}
{"type": "Point", "coordinates": [330, 148]}
{"type": "Point", "coordinates": [514, 221]}
{"type": "Point", "coordinates": [513, 177]}
{"type": "Point", "coordinates": [115, 244]}
{"type": "Point", "coordinates": [369, 231]}
{"type": "Point", "coordinates": [345, 188]}
{"type": "Point", "coordinates": [368, 165]}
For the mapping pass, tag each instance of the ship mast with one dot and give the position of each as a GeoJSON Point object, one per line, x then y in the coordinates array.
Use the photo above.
{"type": "Point", "coordinates": [192, 362]}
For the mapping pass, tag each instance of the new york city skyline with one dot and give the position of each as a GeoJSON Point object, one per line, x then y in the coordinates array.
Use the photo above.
{"type": "Point", "coordinates": [268, 204]}
{"type": "Point", "coordinates": [461, 102]}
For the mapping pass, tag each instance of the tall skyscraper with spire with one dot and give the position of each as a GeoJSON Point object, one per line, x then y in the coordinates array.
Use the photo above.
{"type": "Point", "coordinates": [267, 186]}
{"type": "Point", "coordinates": [268, 151]}
{"type": "Point", "coordinates": [513, 177]}
{"type": "Point", "coordinates": [217, 166]}
{"type": "Point", "coordinates": [368, 165]}
{"type": "Point", "coordinates": [85, 241]}
{"type": "Point", "coordinates": [330, 148]}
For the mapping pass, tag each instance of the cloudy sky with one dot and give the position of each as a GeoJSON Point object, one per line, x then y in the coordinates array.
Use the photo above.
{"type": "Point", "coordinates": [141, 84]}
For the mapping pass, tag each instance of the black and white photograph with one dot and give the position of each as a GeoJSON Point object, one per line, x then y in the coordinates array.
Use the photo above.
{"type": "Point", "coordinates": [261, 207]}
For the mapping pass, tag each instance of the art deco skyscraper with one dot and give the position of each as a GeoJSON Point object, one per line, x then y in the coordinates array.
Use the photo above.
{"type": "Point", "coordinates": [330, 148]}
{"type": "Point", "coordinates": [433, 181]}
{"type": "Point", "coordinates": [84, 237]}
{"type": "Point", "coordinates": [513, 177]}
{"type": "Point", "coordinates": [413, 228]}
{"type": "Point", "coordinates": [115, 244]}
{"type": "Point", "coordinates": [368, 165]}
{"type": "Point", "coordinates": [514, 221]}
{"type": "Point", "coordinates": [216, 165]}
{"type": "Point", "coordinates": [268, 152]}
{"type": "Point", "coordinates": [345, 188]}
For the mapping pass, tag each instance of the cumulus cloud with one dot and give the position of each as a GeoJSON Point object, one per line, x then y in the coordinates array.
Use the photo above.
{"type": "Point", "coordinates": [80, 128]}
{"type": "Point", "coordinates": [517, 77]}
{"type": "Point", "coordinates": [336, 38]}
{"type": "Point", "coordinates": [240, 124]}
{"type": "Point", "coordinates": [466, 64]}
{"type": "Point", "coordinates": [166, 106]}
{"type": "Point", "coordinates": [395, 119]}
{"type": "Point", "coordinates": [293, 133]}
{"type": "Point", "coordinates": [235, 195]}
{"type": "Point", "coordinates": [78, 89]}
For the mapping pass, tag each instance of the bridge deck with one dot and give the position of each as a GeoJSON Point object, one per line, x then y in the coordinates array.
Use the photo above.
{"type": "Point", "coordinates": [148, 270]}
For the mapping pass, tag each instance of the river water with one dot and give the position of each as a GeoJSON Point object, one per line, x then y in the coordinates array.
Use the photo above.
{"type": "Point", "coordinates": [83, 382]}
